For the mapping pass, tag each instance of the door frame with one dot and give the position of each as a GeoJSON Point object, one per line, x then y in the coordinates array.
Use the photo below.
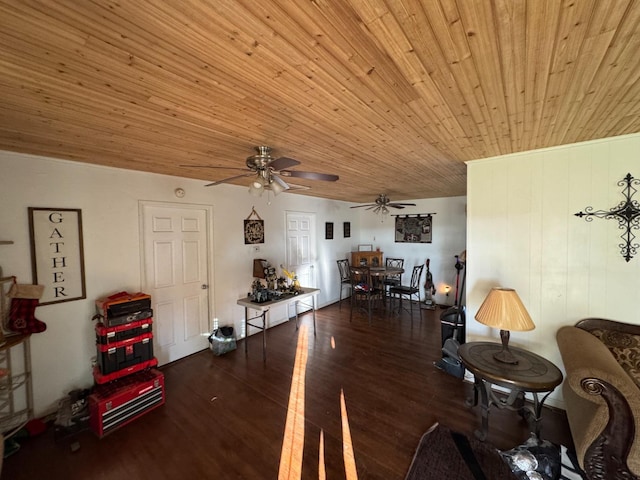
{"type": "Point", "coordinates": [209, 244]}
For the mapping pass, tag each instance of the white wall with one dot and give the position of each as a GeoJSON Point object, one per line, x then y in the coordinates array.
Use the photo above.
{"type": "Point", "coordinates": [522, 233]}
{"type": "Point", "coordinates": [109, 199]}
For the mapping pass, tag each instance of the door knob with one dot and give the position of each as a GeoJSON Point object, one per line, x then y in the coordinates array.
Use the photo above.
{"type": "Point", "coordinates": [204, 286]}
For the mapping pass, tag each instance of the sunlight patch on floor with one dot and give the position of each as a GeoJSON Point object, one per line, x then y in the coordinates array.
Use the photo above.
{"type": "Point", "coordinates": [322, 471]}
{"type": "Point", "coordinates": [293, 442]}
{"type": "Point", "coordinates": [347, 445]}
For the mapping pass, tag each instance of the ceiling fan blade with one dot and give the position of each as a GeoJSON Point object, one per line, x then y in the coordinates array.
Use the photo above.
{"type": "Point", "coordinates": [283, 162]}
{"type": "Point", "coordinates": [310, 175]}
{"type": "Point", "coordinates": [399, 207]}
{"type": "Point", "coordinates": [212, 166]}
{"type": "Point", "coordinates": [280, 182]}
{"type": "Point", "coordinates": [367, 205]}
{"type": "Point", "coordinates": [293, 186]}
{"type": "Point", "coordinates": [395, 204]}
{"type": "Point", "coordinates": [225, 180]}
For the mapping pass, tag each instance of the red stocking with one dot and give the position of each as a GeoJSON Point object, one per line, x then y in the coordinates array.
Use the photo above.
{"type": "Point", "coordinates": [22, 316]}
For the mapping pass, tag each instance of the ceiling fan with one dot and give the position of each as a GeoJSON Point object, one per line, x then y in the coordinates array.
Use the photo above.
{"type": "Point", "coordinates": [268, 172]}
{"type": "Point", "coordinates": [382, 205]}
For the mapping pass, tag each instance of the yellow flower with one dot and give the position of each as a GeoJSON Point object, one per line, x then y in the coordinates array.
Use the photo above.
{"type": "Point", "coordinates": [289, 275]}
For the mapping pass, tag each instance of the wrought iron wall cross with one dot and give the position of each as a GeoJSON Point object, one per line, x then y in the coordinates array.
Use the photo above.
{"type": "Point", "coordinates": [627, 213]}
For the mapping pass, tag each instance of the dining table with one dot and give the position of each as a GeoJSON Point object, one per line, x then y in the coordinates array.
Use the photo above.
{"type": "Point", "coordinates": [378, 275]}
{"type": "Point", "coordinates": [383, 271]}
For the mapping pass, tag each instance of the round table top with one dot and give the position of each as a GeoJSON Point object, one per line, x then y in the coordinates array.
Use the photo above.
{"type": "Point", "coordinates": [381, 271]}
{"type": "Point", "coordinates": [532, 373]}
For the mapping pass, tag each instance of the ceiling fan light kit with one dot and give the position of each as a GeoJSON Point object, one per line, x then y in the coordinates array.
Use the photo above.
{"type": "Point", "coordinates": [256, 187]}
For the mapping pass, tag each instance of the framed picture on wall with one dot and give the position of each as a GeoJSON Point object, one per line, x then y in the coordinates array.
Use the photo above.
{"type": "Point", "coordinates": [57, 253]}
{"type": "Point", "coordinates": [328, 230]}
{"type": "Point", "coordinates": [413, 229]}
{"type": "Point", "coordinates": [253, 228]}
{"type": "Point", "coordinates": [253, 231]}
{"type": "Point", "coordinates": [346, 228]}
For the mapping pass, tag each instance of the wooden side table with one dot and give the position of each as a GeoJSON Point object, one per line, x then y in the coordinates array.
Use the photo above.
{"type": "Point", "coordinates": [533, 374]}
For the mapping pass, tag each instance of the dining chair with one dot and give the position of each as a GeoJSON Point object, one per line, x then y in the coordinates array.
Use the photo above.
{"type": "Point", "coordinates": [408, 291]}
{"type": "Point", "coordinates": [396, 279]}
{"type": "Point", "coordinates": [363, 292]}
{"type": "Point", "coordinates": [345, 280]}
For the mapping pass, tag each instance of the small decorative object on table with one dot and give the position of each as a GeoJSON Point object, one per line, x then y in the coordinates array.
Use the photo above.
{"type": "Point", "coordinates": [294, 287]}
{"type": "Point", "coordinates": [260, 293]}
{"type": "Point", "coordinates": [276, 287]}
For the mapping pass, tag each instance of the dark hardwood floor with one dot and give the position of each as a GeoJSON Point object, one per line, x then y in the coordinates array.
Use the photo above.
{"type": "Point", "coordinates": [224, 417]}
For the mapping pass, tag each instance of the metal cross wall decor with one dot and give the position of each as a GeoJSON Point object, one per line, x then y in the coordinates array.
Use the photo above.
{"type": "Point", "coordinates": [627, 213]}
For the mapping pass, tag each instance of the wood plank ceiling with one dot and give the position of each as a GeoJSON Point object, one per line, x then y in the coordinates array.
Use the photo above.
{"type": "Point", "coordinates": [392, 95]}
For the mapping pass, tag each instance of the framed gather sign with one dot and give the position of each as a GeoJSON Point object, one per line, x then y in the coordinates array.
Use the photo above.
{"type": "Point", "coordinates": [57, 253]}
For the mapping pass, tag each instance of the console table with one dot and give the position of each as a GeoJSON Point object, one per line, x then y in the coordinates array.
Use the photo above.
{"type": "Point", "coordinates": [532, 374]}
{"type": "Point", "coordinates": [305, 294]}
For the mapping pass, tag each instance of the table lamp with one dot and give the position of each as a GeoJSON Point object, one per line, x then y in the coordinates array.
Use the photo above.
{"type": "Point", "coordinates": [503, 309]}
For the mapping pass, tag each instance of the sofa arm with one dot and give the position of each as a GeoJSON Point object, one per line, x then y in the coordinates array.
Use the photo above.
{"type": "Point", "coordinates": [607, 457]}
{"type": "Point", "coordinates": [600, 399]}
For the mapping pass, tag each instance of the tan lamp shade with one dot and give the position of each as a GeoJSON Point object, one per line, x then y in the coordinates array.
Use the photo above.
{"type": "Point", "coordinates": [503, 309]}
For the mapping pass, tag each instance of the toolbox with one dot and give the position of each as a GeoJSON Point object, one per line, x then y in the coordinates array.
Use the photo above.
{"type": "Point", "coordinates": [118, 403]}
{"type": "Point", "coordinates": [128, 318]}
{"type": "Point", "coordinates": [101, 379]}
{"type": "Point", "coordinates": [124, 307]}
{"type": "Point", "coordinates": [107, 335]}
{"type": "Point", "coordinates": [125, 353]}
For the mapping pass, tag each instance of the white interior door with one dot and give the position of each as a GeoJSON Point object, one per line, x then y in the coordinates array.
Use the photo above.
{"type": "Point", "coordinates": [301, 246]}
{"type": "Point", "coordinates": [176, 273]}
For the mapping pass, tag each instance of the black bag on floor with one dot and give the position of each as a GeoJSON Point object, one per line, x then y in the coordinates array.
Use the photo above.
{"type": "Point", "coordinates": [222, 340]}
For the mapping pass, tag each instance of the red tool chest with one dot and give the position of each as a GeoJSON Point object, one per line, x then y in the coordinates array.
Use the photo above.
{"type": "Point", "coordinates": [107, 335]}
{"type": "Point", "coordinates": [126, 384]}
{"type": "Point", "coordinates": [119, 402]}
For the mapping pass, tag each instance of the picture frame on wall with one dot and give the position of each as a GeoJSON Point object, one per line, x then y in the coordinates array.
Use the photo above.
{"type": "Point", "coordinates": [413, 229]}
{"type": "Point", "coordinates": [253, 228]}
{"type": "Point", "coordinates": [328, 231]}
{"type": "Point", "coordinates": [57, 253]}
{"type": "Point", "coordinates": [346, 229]}
{"type": "Point", "coordinates": [253, 232]}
